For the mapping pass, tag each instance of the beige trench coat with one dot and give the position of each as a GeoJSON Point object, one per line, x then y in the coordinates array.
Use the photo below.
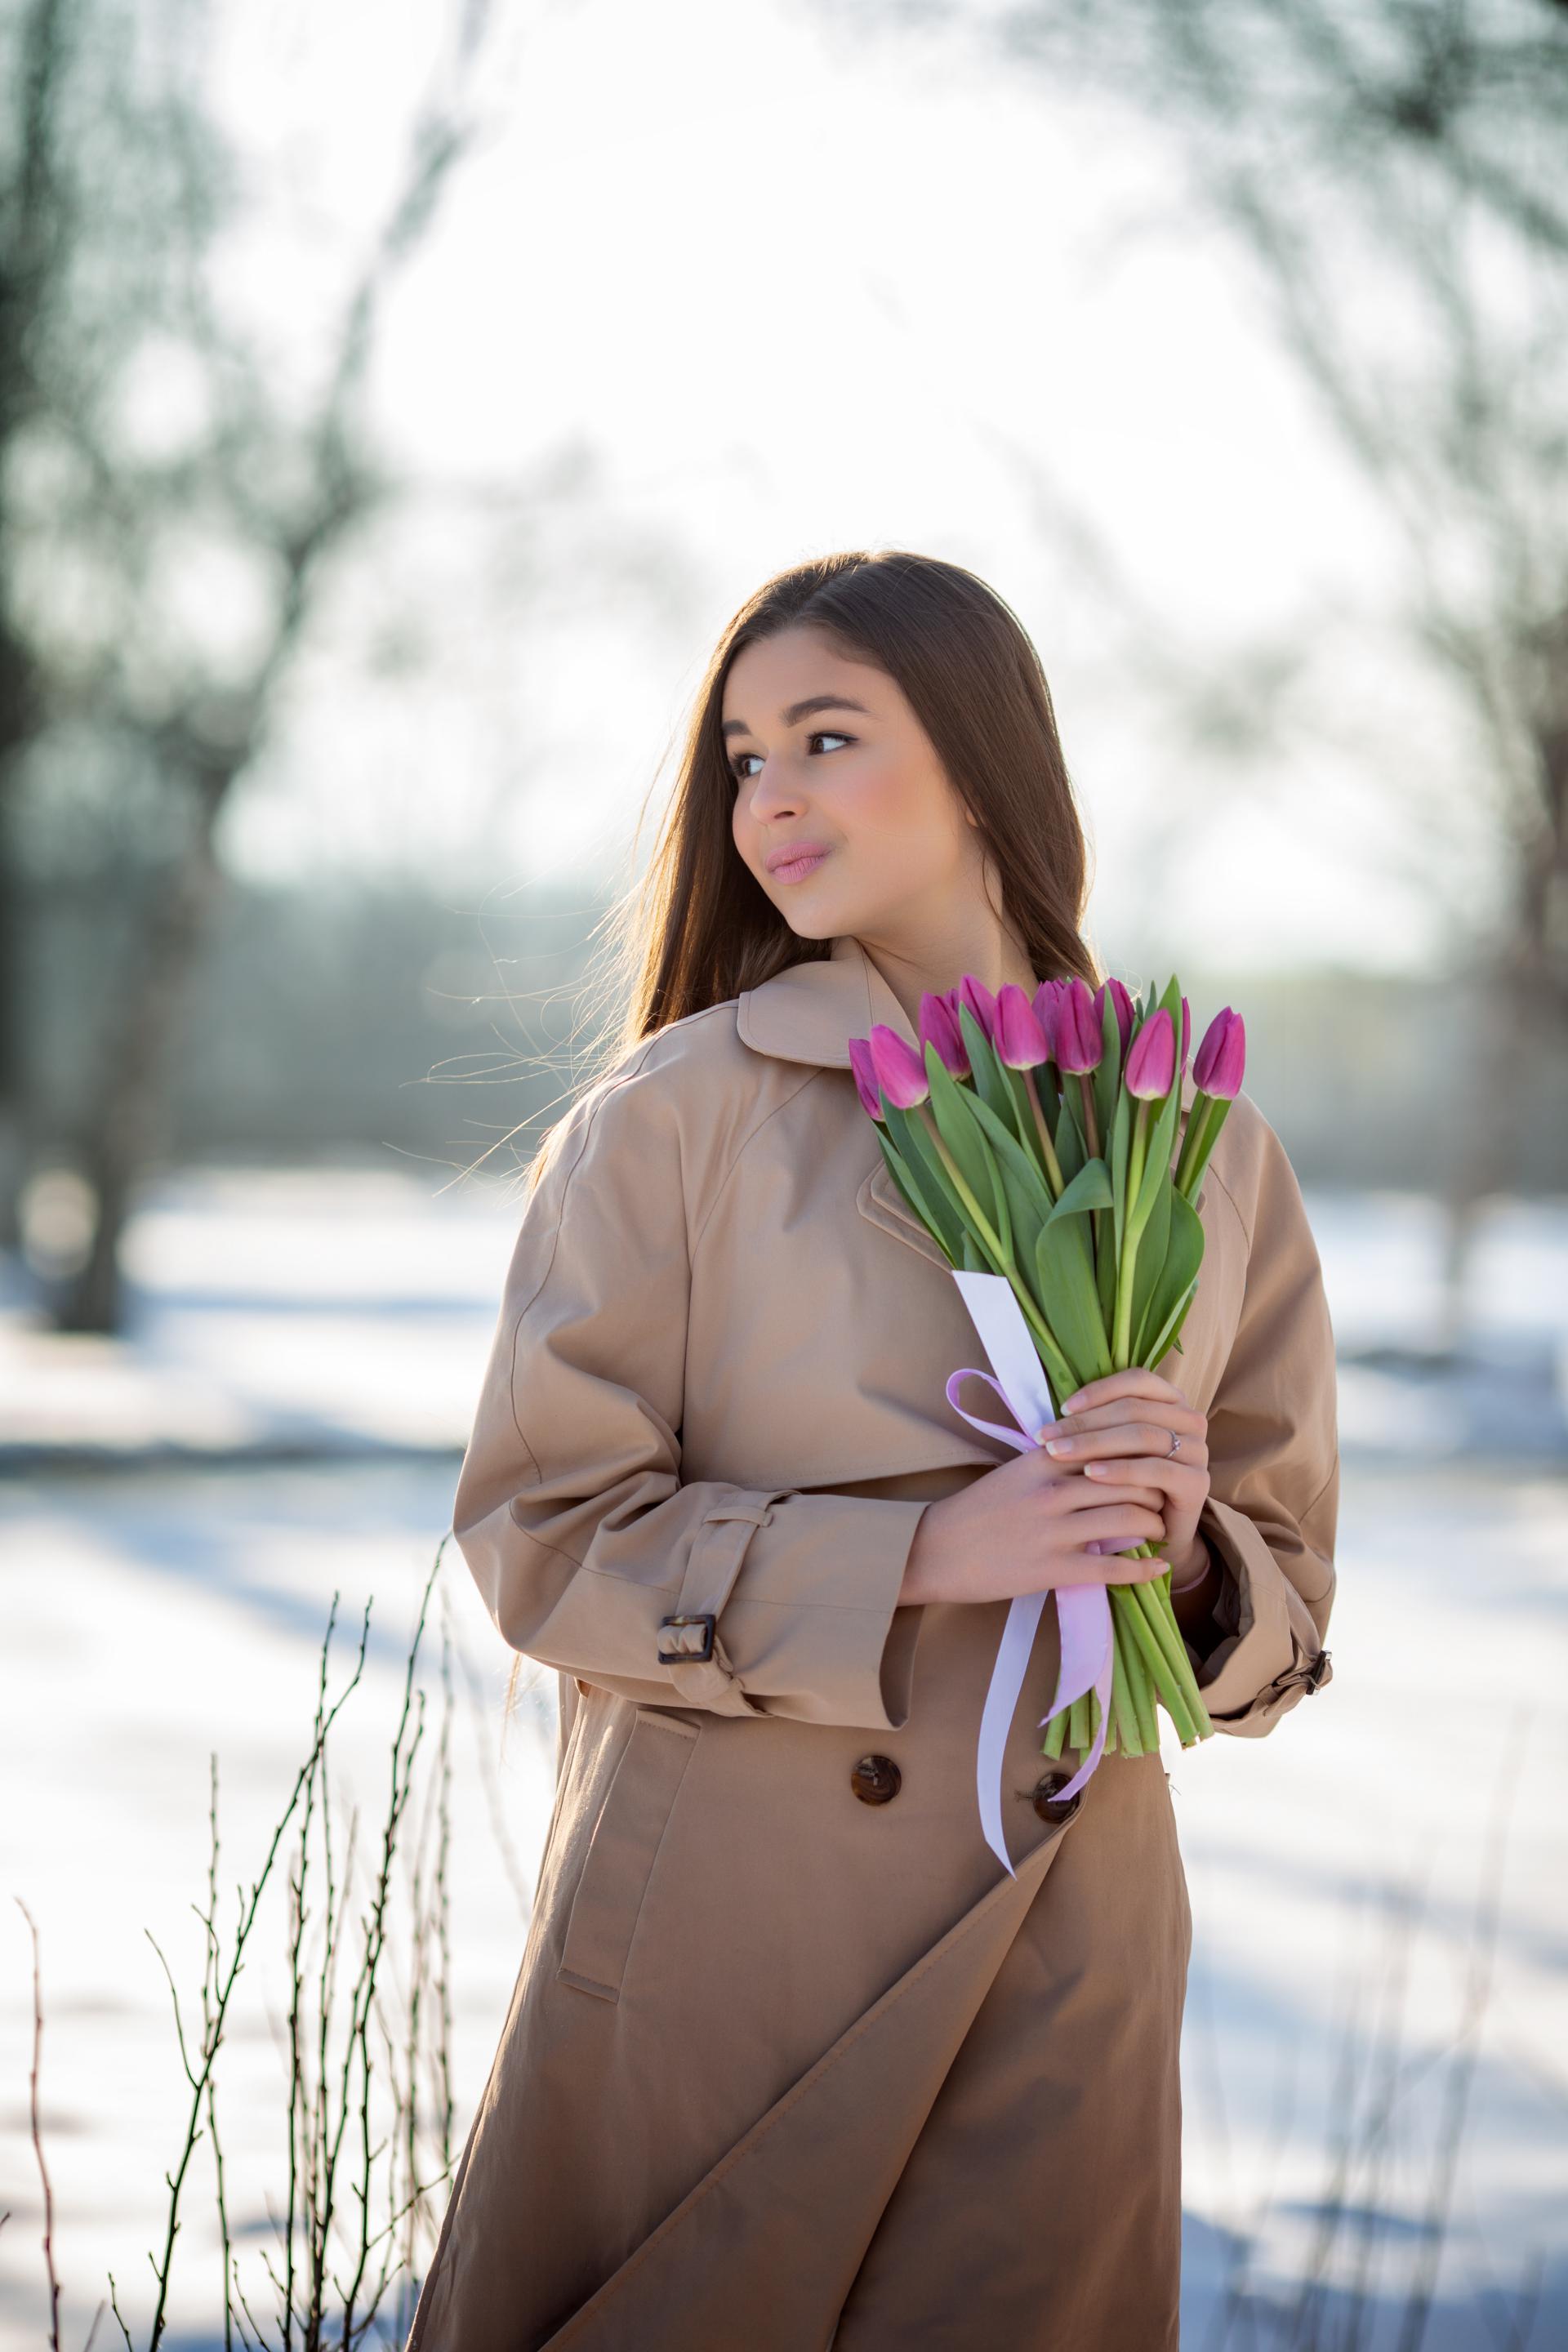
{"type": "Point", "coordinates": [785, 2069]}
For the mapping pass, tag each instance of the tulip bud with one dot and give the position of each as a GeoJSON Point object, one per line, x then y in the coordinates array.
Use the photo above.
{"type": "Point", "coordinates": [1079, 1040]}
{"type": "Point", "coordinates": [1046, 998]}
{"type": "Point", "coordinates": [939, 1027]}
{"type": "Point", "coordinates": [1123, 1004]}
{"type": "Point", "coordinates": [1018, 1037]}
{"type": "Point", "coordinates": [901, 1071]}
{"type": "Point", "coordinates": [1152, 1061]}
{"type": "Point", "coordinates": [981, 1003]}
{"type": "Point", "coordinates": [865, 1069]}
{"type": "Point", "coordinates": [1222, 1056]}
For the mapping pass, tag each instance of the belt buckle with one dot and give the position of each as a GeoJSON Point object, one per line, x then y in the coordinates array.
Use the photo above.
{"type": "Point", "coordinates": [1308, 1676]}
{"type": "Point", "coordinates": [689, 1657]}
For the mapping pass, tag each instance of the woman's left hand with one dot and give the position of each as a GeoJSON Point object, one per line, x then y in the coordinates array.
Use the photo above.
{"type": "Point", "coordinates": [1121, 1428]}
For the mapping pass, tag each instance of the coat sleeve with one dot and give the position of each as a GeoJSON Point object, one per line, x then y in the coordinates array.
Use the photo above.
{"type": "Point", "coordinates": [1274, 1464]}
{"type": "Point", "coordinates": [571, 1509]}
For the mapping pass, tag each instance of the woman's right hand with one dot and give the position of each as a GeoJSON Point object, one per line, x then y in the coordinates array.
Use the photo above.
{"type": "Point", "coordinates": [1022, 1526]}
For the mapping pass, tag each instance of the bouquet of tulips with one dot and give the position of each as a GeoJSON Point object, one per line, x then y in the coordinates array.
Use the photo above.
{"type": "Point", "coordinates": [1033, 1137]}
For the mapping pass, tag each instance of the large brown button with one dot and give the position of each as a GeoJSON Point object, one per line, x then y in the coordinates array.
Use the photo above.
{"type": "Point", "coordinates": [1048, 1805]}
{"type": "Point", "coordinates": [875, 1779]}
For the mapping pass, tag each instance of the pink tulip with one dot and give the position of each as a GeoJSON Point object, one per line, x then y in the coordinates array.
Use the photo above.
{"type": "Point", "coordinates": [939, 1027]}
{"type": "Point", "coordinates": [1124, 1004]}
{"type": "Point", "coordinates": [900, 1070]}
{"type": "Point", "coordinates": [1187, 1033]}
{"type": "Point", "coordinates": [1079, 1040]}
{"type": "Point", "coordinates": [1018, 1037]}
{"type": "Point", "coordinates": [1047, 998]}
{"type": "Point", "coordinates": [980, 1001]}
{"type": "Point", "coordinates": [865, 1069]}
{"type": "Point", "coordinates": [1222, 1056]}
{"type": "Point", "coordinates": [1151, 1063]}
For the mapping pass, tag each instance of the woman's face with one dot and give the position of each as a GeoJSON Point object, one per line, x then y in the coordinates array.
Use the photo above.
{"type": "Point", "coordinates": [827, 755]}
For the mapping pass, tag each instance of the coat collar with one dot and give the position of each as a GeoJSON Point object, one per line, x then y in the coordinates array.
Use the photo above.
{"type": "Point", "coordinates": [809, 1012]}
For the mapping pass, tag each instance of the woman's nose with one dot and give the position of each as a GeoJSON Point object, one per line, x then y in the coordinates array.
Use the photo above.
{"type": "Point", "coordinates": [774, 789]}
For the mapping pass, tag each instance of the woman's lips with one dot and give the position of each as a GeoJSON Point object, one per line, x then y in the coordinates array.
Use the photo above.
{"type": "Point", "coordinates": [799, 869]}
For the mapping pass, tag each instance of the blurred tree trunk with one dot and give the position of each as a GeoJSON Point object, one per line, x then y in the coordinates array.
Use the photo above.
{"type": "Point", "coordinates": [32, 242]}
{"type": "Point", "coordinates": [113, 187]}
{"type": "Point", "coordinates": [128, 1132]}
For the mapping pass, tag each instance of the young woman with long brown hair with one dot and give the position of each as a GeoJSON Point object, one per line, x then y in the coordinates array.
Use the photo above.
{"type": "Point", "coordinates": [792, 2063]}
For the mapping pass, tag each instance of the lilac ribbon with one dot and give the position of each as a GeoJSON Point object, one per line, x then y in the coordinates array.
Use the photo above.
{"type": "Point", "coordinates": [1083, 1611]}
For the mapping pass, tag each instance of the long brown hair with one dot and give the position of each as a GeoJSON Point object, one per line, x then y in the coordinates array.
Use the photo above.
{"type": "Point", "coordinates": [697, 927]}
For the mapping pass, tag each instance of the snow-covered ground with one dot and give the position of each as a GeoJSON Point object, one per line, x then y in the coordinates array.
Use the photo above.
{"type": "Point", "coordinates": [279, 1426]}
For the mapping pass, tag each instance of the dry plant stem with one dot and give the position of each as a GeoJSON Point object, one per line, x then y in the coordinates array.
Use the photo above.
{"type": "Point", "coordinates": [199, 2075]}
{"type": "Point", "coordinates": [214, 1955]}
{"type": "Point", "coordinates": [296, 1982]}
{"type": "Point", "coordinates": [38, 2136]}
{"type": "Point", "coordinates": [413, 1704]}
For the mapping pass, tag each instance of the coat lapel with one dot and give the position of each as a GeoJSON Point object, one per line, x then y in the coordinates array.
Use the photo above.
{"type": "Point", "coordinates": [880, 1200]}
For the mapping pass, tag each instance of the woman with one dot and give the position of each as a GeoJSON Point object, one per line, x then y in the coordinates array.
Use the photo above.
{"type": "Point", "coordinates": [792, 2063]}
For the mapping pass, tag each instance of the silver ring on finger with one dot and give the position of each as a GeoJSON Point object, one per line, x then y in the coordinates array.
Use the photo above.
{"type": "Point", "coordinates": [1176, 1444]}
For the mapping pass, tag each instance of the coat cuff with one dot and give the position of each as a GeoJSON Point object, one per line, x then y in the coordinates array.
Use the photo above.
{"type": "Point", "coordinates": [1270, 1655]}
{"type": "Point", "coordinates": [813, 1627]}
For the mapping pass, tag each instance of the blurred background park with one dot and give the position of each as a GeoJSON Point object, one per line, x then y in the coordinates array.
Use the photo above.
{"type": "Point", "coordinates": [395, 403]}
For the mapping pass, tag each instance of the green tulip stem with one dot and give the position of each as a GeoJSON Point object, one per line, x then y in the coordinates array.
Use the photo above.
{"type": "Point", "coordinates": [1043, 1132]}
{"type": "Point", "coordinates": [1001, 1259]}
{"type": "Point", "coordinates": [1205, 1120]}
{"type": "Point", "coordinates": [1173, 1696]}
{"type": "Point", "coordinates": [1090, 1124]}
{"type": "Point", "coordinates": [1128, 1736]}
{"type": "Point", "coordinates": [1142, 1690]}
{"type": "Point", "coordinates": [1153, 1597]}
{"type": "Point", "coordinates": [1121, 1340]}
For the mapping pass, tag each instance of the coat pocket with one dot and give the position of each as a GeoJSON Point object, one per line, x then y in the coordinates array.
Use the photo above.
{"type": "Point", "coordinates": [620, 1858]}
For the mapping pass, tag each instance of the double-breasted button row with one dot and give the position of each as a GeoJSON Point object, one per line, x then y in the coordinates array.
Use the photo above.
{"type": "Point", "coordinates": [877, 1780]}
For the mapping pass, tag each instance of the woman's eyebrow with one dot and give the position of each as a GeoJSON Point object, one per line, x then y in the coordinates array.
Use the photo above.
{"type": "Point", "coordinates": [799, 710]}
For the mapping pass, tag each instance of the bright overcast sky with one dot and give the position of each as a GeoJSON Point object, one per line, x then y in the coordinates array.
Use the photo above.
{"type": "Point", "coordinates": [799, 291]}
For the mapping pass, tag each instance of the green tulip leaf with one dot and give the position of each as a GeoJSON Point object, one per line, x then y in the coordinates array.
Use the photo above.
{"type": "Point", "coordinates": [1166, 1338]}
{"type": "Point", "coordinates": [990, 1078]}
{"type": "Point", "coordinates": [1029, 1199]}
{"type": "Point", "coordinates": [1157, 1161]}
{"type": "Point", "coordinates": [1150, 1264]}
{"type": "Point", "coordinates": [925, 1187]}
{"type": "Point", "coordinates": [1064, 1267]}
{"type": "Point", "coordinates": [1089, 1189]}
{"type": "Point", "coordinates": [1162, 1317]}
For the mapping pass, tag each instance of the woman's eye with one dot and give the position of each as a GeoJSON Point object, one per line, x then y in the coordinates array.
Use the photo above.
{"type": "Point", "coordinates": [820, 735]}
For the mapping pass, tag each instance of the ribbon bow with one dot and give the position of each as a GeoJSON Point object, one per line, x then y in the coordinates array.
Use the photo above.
{"type": "Point", "coordinates": [1083, 1611]}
